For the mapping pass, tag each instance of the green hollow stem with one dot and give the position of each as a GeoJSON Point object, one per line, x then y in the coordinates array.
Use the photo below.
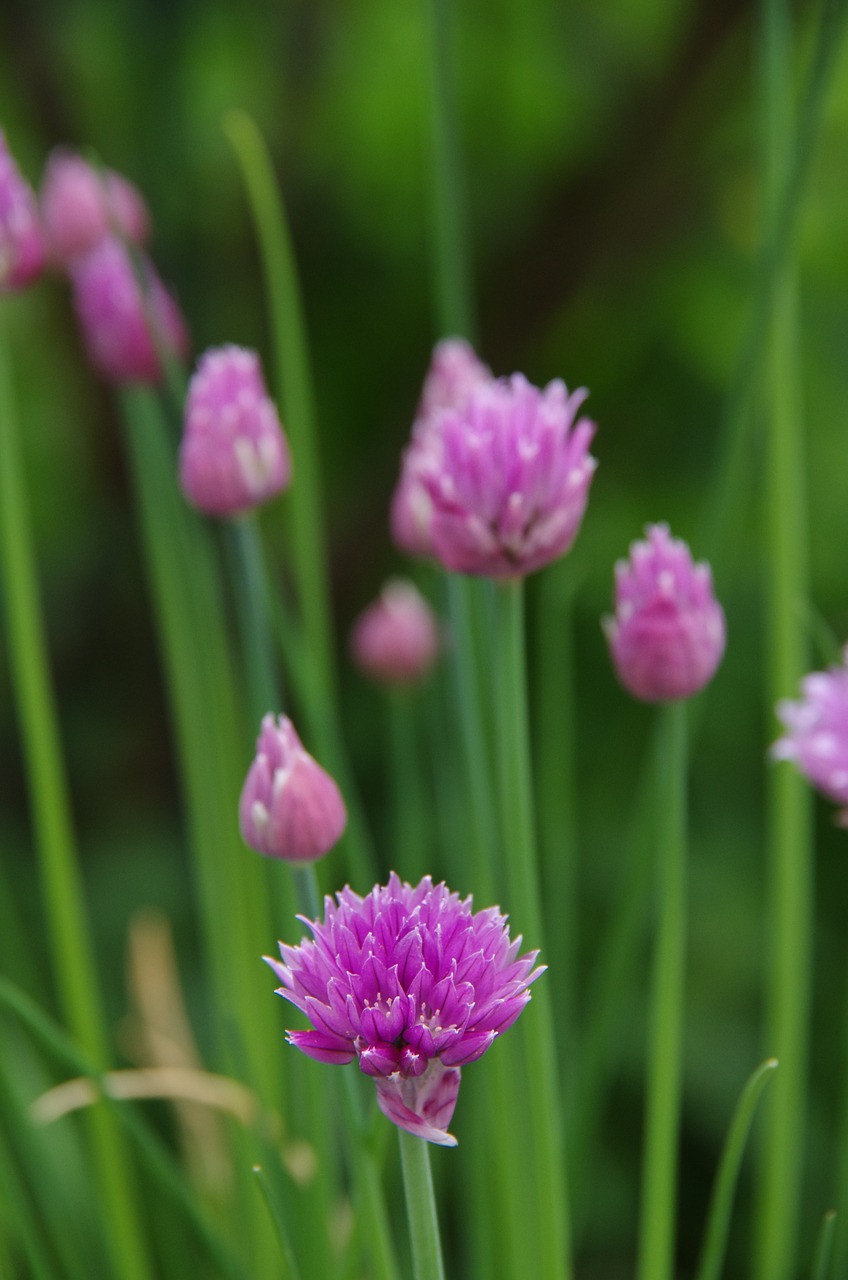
{"type": "Point", "coordinates": [821, 1268]}
{"type": "Point", "coordinates": [69, 929]}
{"type": "Point", "coordinates": [251, 592]}
{"type": "Point", "coordinates": [427, 1260]}
{"type": "Point", "coordinates": [721, 1203]}
{"type": "Point", "coordinates": [294, 384]}
{"type": "Point", "coordinates": [290, 1267]}
{"type": "Point", "coordinates": [665, 1033]}
{"type": "Point", "coordinates": [553, 1237]}
{"type": "Point", "coordinates": [789, 834]}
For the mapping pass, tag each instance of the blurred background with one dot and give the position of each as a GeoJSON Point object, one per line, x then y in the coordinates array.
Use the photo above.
{"type": "Point", "coordinates": [612, 184]}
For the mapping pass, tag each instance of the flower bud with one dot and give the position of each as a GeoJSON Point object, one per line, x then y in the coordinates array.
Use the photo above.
{"type": "Point", "coordinates": [290, 807]}
{"type": "Point", "coordinates": [396, 639]}
{"type": "Point", "coordinates": [668, 634]}
{"type": "Point", "coordinates": [80, 207]}
{"type": "Point", "coordinates": [22, 250]}
{"type": "Point", "coordinates": [116, 318]}
{"type": "Point", "coordinates": [816, 738]}
{"type": "Point", "coordinates": [233, 454]}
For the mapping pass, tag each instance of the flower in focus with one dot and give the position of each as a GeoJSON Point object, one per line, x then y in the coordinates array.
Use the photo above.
{"type": "Point", "coordinates": [80, 207]}
{"type": "Point", "coordinates": [668, 634]}
{"type": "Point", "coordinates": [453, 374]}
{"type": "Point", "coordinates": [510, 480]}
{"type": "Point", "coordinates": [396, 639]}
{"type": "Point", "coordinates": [290, 807]}
{"type": "Point", "coordinates": [116, 317]}
{"type": "Point", "coordinates": [22, 250]}
{"type": "Point", "coordinates": [816, 737]}
{"type": "Point", "coordinates": [233, 453]}
{"type": "Point", "coordinates": [414, 985]}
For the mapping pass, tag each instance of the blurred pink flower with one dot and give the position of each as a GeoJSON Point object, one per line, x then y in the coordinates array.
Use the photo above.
{"type": "Point", "coordinates": [290, 807]}
{"type": "Point", "coordinates": [116, 318]}
{"type": "Point", "coordinates": [453, 374]}
{"type": "Point", "coordinates": [396, 639]}
{"type": "Point", "coordinates": [80, 207]}
{"type": "Point", "coordinates": [668, 634]}
{"type": "Point", "coordinates": [233, 454]}
{"type": "Point", "coordinates": [816, 738]}
{"type": "Point", "coordinates": [22, 249]}
{"type": "Point", "coordinates": [511, 482]}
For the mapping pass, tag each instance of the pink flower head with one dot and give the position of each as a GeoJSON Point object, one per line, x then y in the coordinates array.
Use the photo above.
{"type": "Point", "coordinates": [116, 317]}
{"type": "Point", "coordinates": [414, 985]}
{"type": "Point", "coordinates": [80, 207]}
{"type": "Point", "coordinates": [816, 738]}
{"type": "Point", "coordinates": [290, 807]}
{"type": "Point", "coordinates": [453, 374]}
{"type": "Point", "coordinates": [233, 454]}
{"type": "Point", "coordinates": [510, 486]}
{"type": "Point", "coordinates": [22, 250]}
{"type": "Point", "coordinates": [668, 634]}
{"type": "Point", "coordinates": [396, 639]}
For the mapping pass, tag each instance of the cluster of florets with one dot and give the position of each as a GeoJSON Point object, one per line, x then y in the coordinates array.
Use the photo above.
{"type": "Point", "coordinates": [496, 478]}
{"type": "Point", "coordinates": [411, 983]}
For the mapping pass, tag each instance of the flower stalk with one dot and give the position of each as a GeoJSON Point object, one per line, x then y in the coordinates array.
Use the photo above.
{"type": "Point", "coordinates": [421, 1208]}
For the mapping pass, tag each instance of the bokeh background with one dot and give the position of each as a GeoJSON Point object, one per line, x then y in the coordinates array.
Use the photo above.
{"type": "Point", "coordinates": [611, 158]}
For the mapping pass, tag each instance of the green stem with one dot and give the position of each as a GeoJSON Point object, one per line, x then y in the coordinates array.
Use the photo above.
{"type": "Point", "coordinates": [659, 1166]}
{"type": "Point", "coordinates": [294, 385]}
{"type": "Point", "coordinates": [69, 928]}
{"type": "Point", "coordinates": [543, 1089]}
{"type": "Point", "coordinates": [824, 1247]}
{"type": "Point", "coordinates": [421, 1208]}
{"type": "Point", "coordinates": [250, 588]}
{"type": "Point", "coordinates": [788, 799]}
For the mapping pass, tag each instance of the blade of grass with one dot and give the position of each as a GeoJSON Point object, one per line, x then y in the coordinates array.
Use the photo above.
{"type": "Point", "coordinates": [824, 1247]}
{"type": "Point", "coordinates": [158, 1161]}
{"type": "Point", "coordinates": [68, 926]}
{"type": "Point", "coordinates": [721, 1203]}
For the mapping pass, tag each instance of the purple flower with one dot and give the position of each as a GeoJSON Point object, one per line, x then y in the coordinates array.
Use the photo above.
{"type": "Point", "coordinates": [290, 807]}
{"type": "Point", "coordinates": [668, 634]}
{"type": "Point", "coordinates": [233, 454]}
{"type": "Point", "coordinates": [115, 318]}
{"type": "Point", "coordinates": [80, 207]}
{"type": "Point", "coordinates": [509, 479]}
{"type": "Point", "coordinates": [414, 985]}
{"type": "Point", "coordinates": [817, 733]}
{"type": "Point", "coordinates": [453, 374]}
{"type": "Point", "coordinates": [22, 250]}
{"type": "Point", "coordinates": [396, 639]}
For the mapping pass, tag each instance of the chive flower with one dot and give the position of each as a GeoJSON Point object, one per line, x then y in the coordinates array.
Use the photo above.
{"type": "Point", "coordinates": [22, 249]}
{"type": "Point", "coordinates": [233, 454]}
{"type": "Point", "coordinates": [413, 985]}
{"type": "Point", "coordinates": [453, 374]}
{"type": "Point", "coordinates": [816, 738]}
{"type": "Point", "coordinates": [290, 808]}
{"type": "Point", "coordinates": [507, 476]}
{"type": "Point", "coordinates": [667, 637]}
{"type": "Point", "coordinates": [116, 314]}
{"type": "Point", "coordinates": [396, 639]}
{"type": "Point", "coordinates": [81, 206]}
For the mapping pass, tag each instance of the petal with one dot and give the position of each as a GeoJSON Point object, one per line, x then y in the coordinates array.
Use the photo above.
{"type": "Point", "coordinates": [321, 1047]}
